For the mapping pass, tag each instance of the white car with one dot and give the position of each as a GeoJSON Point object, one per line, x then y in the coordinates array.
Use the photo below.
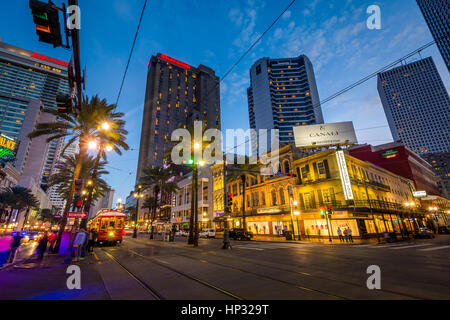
{"type": "Point", "coordinates": [207, 233]}
{"type": "Point", "coordinates": [182, 233]}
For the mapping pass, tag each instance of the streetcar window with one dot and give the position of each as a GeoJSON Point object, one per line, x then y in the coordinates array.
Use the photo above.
{"type": "Point", "coordinates": [119, 224]}
{"type": "Point", "coordinates": [103, 225]}
{"type": "Point", "coordinates": [111, 223]}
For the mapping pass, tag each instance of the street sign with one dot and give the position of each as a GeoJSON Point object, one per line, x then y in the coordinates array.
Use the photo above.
{"type": "Point", "coordinates": [77, 215]}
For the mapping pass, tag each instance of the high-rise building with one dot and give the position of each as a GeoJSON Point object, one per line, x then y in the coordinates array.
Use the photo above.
{"type": "Point", "coordinates": [282, 95]}
{"type": "Point", "coordinates": [104, 202]}
{"type": "Point", "coordinates": [436, 14]}
{"type": "Point", "coordinates": [417, 106]}
{"type": "Point", "coordinates": [26, 75]}
{"type": "Point", "coordinates": [176, 95]}
{"type": "Point", "coordinates": [440, 163]}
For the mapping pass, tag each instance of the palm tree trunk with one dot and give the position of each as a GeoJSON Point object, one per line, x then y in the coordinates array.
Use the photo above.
{"type": "Point", "coordinates": [25, 219]}
{"type": "Point", "coordinates": [243, 203]}
{"type": "Point", "coordinates": [155, 194]}
{"type": "Point", "coordinates": [76, 174]}
{"type": "Point", "coordinates": [87, 207]}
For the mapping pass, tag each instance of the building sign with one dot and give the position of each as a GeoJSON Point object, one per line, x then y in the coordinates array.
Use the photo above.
{"type": "Point", "coordinates": [52, 60]}
{"type": "Point", "coordinates": [77, 215]}
{"type": "Point", "coordinates": [420, 194]}
{"type": "Point", "coordinates": [345, 178]}
{"type": "Point", "coordinates": [269, 210]}
{"type": "Point", "coordinates": [7, 142]}
{"type": "Point", "coordinates": [7, 149]}
{"type": "Point", "coordinates": [389, 154]}
{"type": "Point", "coordinates": [321, 135]}
{"type": "Point", "coordinates": [178, 63]}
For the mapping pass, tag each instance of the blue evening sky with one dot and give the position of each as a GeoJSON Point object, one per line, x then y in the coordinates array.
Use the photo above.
{"type": "Point", "coordinates": [332, 33]}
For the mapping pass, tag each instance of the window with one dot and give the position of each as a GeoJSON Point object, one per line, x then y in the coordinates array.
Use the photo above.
{"type": "Point", "coordinates": [258, 69]}
{"type": "Point", "coordinates": [274, 198]}
{"type": "Point", "coordinates": [282, 199]}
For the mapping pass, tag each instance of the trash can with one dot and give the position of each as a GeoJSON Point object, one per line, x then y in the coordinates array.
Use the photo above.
{"type": "Point", "coordinates": [288, 235]}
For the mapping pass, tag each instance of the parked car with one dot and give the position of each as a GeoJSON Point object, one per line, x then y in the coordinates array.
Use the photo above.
{"type": "Point", "coordinates": [423, 233]}
{"type": "Point", "coordinates": [182, 233]}
{"type": "Point", "coordinates": [444, 230]}
{"type": "Point", "coordinates": [207, 233]}
{"type": "Point", "coordinates": [240, 234]}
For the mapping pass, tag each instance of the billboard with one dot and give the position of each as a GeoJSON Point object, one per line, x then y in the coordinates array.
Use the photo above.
{"type": "Point", "coordinates": [322, 135]}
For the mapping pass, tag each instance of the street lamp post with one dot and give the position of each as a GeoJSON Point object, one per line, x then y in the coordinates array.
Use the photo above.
{"type": "Point", "coordinates": [226, 233]}
{"type": "Point", "coordinates": [137, 195]}
{"type": "Point", "coordinates": [297, 213]}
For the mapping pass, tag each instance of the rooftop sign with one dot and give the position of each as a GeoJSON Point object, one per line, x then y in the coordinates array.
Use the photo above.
{"type": "Point", "coordinates": [322, 135]}
{"type": "Point", "coordinates": [178, 63]}
{"type": "Point", "coordinates": [48, 59]}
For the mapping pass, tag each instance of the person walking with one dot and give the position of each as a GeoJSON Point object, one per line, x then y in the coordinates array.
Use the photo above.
{"type": "Point", "coordinates": [339, 232]}
{"type": "Point", "coordinates": [91, 240]}
{"type": "Point", "coordinates": [78, 243]}
{"type": "Point", "coordinates": [346, 235]}
{"type": "Point", "coordinates": [42, 246]}
{"type": "Point", "coordinates": [349, 233]}
{"type": "Point", "coordinates": [5, 247]}
{"type": "Point", "coordinates": [15, 246]}
{"type": "Point", "coordinates": [52, 241]}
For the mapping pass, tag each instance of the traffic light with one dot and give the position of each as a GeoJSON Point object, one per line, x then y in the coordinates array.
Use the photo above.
{"type": "Point", "coordinates": [229, 200]}
{"type": "Point", "coordinates": [46, 18]}
{"type": "Point", "coordinates": [330, 210]}
{"type": "Point", "coordinates": [64, 103]}
{"type": "Point", "coordinates": [78, 187]}
{"type": "Point", "coordinates": [292, 175]}
{"type": "Point", "coordinates": [322, 211]}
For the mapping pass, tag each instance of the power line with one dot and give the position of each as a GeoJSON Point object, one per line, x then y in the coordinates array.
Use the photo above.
{"type": "Point", "coordinates": [357, 83]}
{"type": "Point", "coordinates": [131, 52]}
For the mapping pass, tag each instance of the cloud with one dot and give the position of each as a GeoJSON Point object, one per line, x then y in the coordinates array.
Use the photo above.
{"type": "Point", "coordinates": [123, 10]}
{"type": "Point", "coordinates": [236, 16]}
{"type": "Point", "coordinates": [287, 14]}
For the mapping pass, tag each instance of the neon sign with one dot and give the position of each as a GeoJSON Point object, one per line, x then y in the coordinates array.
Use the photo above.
{"type": "Point", "coordinates": [389, 154]}
{"type": "Point", "coordinates": [52, 60]}
{"type": "Point", "coordinates": [178, 63]}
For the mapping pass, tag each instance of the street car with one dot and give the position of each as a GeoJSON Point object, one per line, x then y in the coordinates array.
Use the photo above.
{"type": "Point", "coordinates": [207, 233]}
{"type": "Point", "coordinates": [240, 234]}
{"type": "Point", "coordinates": [444, 230]}
{"type": "Point", "coordinates": [423, 233]}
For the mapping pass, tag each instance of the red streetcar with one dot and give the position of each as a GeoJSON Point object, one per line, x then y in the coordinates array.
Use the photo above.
{"type": "Point", "coordinates": [109, 225]}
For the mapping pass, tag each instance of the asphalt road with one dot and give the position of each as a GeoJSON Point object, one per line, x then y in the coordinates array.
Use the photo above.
{"type": "Point", "coordinates": [155, 270]}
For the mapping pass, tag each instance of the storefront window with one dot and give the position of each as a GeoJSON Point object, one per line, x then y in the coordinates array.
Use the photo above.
{"type": "Point", "coordinates": [259, 227]}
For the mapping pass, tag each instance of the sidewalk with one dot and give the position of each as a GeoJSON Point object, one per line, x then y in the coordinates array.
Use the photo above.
{"type": "Point", "coordinates": [321, 240]}
{"type": "Point", "coordinates": [46, 280]}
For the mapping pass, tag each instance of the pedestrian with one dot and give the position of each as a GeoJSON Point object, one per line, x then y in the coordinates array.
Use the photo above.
{"type": "Point", "coordinates": [339, 231]}
{"type": "Point", "coordinates": [42, 246]}
{"type": "Point", "coordinates": [346, 235]}
{"type": "Point", "coordinates": [349, 233]}
{"type": "Point", "coordinates": [5, 247]}
{"type": "Point", "coordinates": [91, 240]}
{"type": "Point", "coordinates": [78, 244]}
{"type": "Point", "coordinates": [15, 246]}
{"type": "Point", "coordinates": [52, 241]}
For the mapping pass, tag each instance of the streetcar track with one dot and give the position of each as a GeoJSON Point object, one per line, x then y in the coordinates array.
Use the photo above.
{"type": "Point", "coordinates": [297, 272]}
{"type": "Point", "coordinates": [205, 283]}
{"type": "Point", "coordinates": [144, 285]}
{"type": "Point", "coordinates": [245, 271]}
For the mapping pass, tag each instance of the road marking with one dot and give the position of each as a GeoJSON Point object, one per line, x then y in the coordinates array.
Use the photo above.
{"type": "Point", "coordinates": [435, 248]}
{"type": "Point", "coordinates": [248, 248]}
{"type": "Point", "coordinates": [408, 247]}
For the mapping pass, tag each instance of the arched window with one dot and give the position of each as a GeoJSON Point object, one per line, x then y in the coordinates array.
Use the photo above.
{"type": "Point", "coordinates": [282, 199]}
{"type": "Point", "coordinates": [274, 198]}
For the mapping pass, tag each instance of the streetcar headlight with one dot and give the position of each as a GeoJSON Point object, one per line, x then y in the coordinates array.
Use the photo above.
{"type": "Point", "coordinates": [111, 234]}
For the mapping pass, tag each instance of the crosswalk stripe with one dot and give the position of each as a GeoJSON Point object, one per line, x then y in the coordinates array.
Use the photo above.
{"type": "Point", "coordinates": [408, 247]}
{"type": "Point", "coordinates": [249, 248]}
{"type": "Point", "coordinates": [435, 248]}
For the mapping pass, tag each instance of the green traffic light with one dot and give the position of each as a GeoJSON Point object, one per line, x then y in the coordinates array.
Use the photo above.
{"type": "Point", "coordinates": [190, 161]}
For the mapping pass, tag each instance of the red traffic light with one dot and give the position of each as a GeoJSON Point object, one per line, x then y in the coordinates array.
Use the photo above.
{"type": "Point", "coordinates": [330, 207]}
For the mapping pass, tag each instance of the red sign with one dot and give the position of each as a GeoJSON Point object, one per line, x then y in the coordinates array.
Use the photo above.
{"type": "Point", "coordinates": [77, 215]}
{"type": "Point", "coordinates": [178, 63]}
{"type": "Point", "coordinates": [45, 58]}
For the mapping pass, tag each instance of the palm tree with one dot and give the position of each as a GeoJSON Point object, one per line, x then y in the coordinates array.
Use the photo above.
{"type": "Point", "coordinates": [150, 203]}
{"type": "Point", "coordinates": [5, 202]}
{"type": "Point", "coordinates": [241, 172]}
{"type": "Point", "coordinates": [80, 127]}
{"type": "Point", "coordinates": [20, 199]}
{"type": "Point", "coordinates": [158, 179]}
{"type": "Point", "coordinates": [64, 174]}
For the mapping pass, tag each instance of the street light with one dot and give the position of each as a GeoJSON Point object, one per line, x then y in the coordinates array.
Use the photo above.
{"type": "Point", "coordinates": [92, 145]}
{"type": "Point", "coordinates": [297, 213]}
{"type": "Point", "coordinates": [137, 196]}
{"type": "Point", "coordinates": [105, 126]}
{"type": "Point", "coordinates": [109, 148]}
